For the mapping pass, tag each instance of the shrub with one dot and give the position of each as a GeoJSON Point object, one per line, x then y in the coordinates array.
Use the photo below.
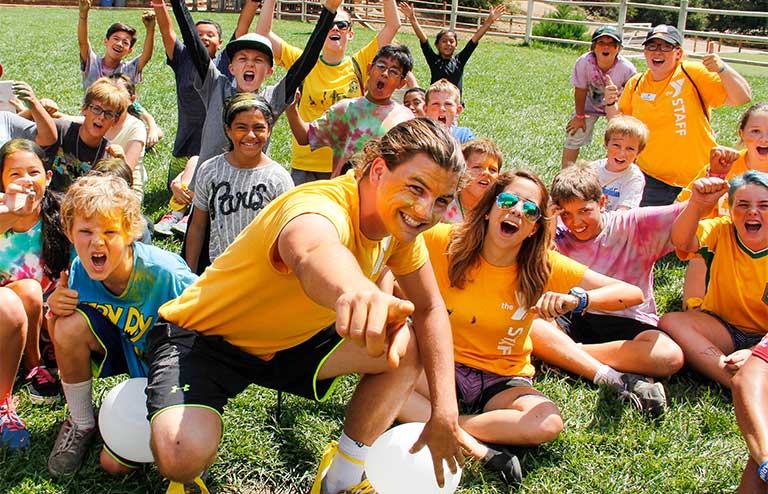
{"type": "Point", "coordinates": [562, 30]}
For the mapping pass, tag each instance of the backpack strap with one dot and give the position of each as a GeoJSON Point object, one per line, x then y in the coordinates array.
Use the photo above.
{"type": "Point", "coordinates": [698, 93]}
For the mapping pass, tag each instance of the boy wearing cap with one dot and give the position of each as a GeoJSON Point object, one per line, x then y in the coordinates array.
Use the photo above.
{"type": "Point", "coordinates": [601, 67]}
{"type": "Point", "coordinates": [675, 99]}
{"type": "Point", "coordinates": [251, 62]}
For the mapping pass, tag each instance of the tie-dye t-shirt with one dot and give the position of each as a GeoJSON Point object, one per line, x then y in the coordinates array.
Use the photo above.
{"type": "Point", "coordinates": [626, 249]}
{"type": "Point", "coordinates": [21, 257]}
{"type": "Point", "coordinates": [350, 123]}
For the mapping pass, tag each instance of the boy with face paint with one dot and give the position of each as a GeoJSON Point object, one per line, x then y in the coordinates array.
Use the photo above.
{"type": "Point", "coordinates": [350, 123]}
{"type": "Point", "coordinates": [624, 245]}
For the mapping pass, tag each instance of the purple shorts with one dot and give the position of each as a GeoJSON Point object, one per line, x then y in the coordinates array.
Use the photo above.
{"type": "Point", "coordinates": [476, 387]}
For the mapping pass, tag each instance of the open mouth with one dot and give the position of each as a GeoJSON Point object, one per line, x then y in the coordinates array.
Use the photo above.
{"type": "Point", "coordinates": [334, 37]}
{"type": "Point", "coordinates": [606, 53]}
{"type": "Point", "coordinates": [98, 125]}
{"type": "Point", "coordinates": [658, 61]}
{"type": "Point", "coordinates": [509, 228]}
{"type": "Point", "coordinates": [249, 76]}
{"type": "Point", "coordinates": [753, 226]}
{"type": "Point", "coordinates": [98, 260]}
{"type": "Point", "coordinates": [442, 119]}
{"type": "Point", "coordinates": [762, 150]}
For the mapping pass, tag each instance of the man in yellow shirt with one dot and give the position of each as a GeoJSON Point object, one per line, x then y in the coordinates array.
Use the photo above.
{"type": "Point", "coordinates": [292, 304]}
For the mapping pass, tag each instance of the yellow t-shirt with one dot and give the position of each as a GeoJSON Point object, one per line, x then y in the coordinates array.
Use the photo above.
{"type": "Point", "coordinates": [738, 168]}
{"type": "Point", "coordinates": [681, 135]}
{"type": "Point", "coordinates": [325, 85]}
{"type": "Point", "coordinates": [256, 303]}
{"type": "Point", "coordinates": [491, 332]}
{"type": "Point", "coordinates": [737, 282]}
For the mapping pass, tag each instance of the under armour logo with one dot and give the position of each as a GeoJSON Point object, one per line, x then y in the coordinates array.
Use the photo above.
{"type": "Point", "coordinates": [175, 388]}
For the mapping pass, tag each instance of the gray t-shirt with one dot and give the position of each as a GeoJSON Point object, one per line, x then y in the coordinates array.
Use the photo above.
{"type": "Point", "coordinates": [234, 196]}
{"type": "Point", "coordinates": [13, 126]}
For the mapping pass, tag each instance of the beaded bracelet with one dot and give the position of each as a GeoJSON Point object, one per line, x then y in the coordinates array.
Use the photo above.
{"type": "Point", "coordinates": [762, 471]}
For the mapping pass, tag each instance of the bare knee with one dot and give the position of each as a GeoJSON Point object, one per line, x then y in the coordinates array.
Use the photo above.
{"type": "Point", "coordinates": [184, 442]}
{"type": "Point", "coordinates": [13, 318]}
{"type": "Point", "coordinates": [550, 428]}
{"type": "Point", "coordinates": [670, 357]}
{"type": "Point", "coordinates": [70, 331]}
{"type": "Point", "coordinates": [112, 466]}
{"type": "Point", "coordinates": [31, 294]}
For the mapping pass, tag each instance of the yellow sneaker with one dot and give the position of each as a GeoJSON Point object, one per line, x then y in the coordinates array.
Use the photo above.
{"type": "Point", "coordinates": [325, 463]}
{"type": "Point", "coordinates": [197, 486]}
{"type": "Point", "coordinates": [363, 487]}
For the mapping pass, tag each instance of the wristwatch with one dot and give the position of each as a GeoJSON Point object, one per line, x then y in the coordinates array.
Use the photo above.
{"type": "Point", "coordinates": [581, 294]}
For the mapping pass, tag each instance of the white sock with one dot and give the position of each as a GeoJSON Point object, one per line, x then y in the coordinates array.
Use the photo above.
{"type": "Point", "coordinates": [606, 375]}
{"type": "Point", "coordinates": [347, 467]}
{"type": "Point", "coordinates": [80, 403]}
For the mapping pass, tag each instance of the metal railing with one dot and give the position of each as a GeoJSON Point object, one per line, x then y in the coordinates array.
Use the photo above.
{"type": "Point", "coordinates": [520, 25]}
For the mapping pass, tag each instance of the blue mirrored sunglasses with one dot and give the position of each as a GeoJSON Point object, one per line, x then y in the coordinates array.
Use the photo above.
{"type": "Point", "coordinates": [508, 200]}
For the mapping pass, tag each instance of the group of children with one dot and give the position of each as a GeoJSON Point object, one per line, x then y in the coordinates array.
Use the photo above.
{"type": "Point", "coordinates": [347, 283]}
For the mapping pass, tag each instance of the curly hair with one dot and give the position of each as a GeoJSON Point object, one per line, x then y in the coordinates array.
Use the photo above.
{"type": "Point", "coordinates": [106, 196]}
{"type": "Point", "coordinates": [466, 244]}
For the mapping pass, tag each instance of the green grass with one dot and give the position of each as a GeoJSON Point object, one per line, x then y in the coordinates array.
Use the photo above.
{"type": "Point", "coordinates": [520, 97]}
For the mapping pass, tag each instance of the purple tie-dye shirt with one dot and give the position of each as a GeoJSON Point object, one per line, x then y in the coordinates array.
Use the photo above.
{"type": "Point", "coordinates": [626, 249]}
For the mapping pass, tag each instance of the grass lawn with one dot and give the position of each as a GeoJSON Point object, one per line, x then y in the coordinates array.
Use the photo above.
{"type": "Point", "coordinates": [518, 96]}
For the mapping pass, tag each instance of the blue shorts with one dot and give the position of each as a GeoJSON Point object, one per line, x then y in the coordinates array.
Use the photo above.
{"type": "Point", "coordinates": [741, 340]}
{"type": "Point", "coordinates": [120, 355]}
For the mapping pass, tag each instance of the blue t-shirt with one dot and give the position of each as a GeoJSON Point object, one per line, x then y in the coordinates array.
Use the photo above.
{"type": "Point", "coordinates": [462, 134]}
{"type": "Point", "coordinates": [157, 277]}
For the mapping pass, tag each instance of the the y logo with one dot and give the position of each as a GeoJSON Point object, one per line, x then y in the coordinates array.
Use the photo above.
{"type": "Point", "coordinates": [677, 86]}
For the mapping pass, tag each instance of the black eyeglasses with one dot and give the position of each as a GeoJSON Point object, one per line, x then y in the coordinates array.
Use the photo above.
{"type": "Point", "coordinates": [660, 47]}
{"type": "Point", "coordinates": [508, 200]}
{"type": "Point", "coordinates": [390, 71]}
{"type": "Point", "coordinates": [97, 110]}
{"type": "Point", "coordinates": [342, 25]}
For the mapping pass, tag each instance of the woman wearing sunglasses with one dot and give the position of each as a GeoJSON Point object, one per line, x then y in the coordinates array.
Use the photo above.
{"type": "Point", "coordinates": [674, 98]}
{"type": "Point", "coordinates": [497, 276]}
{"type": "Point", "coordinates": [335, 76]}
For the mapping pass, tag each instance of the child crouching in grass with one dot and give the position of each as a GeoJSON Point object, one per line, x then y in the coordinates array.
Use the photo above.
{"type": "Point", "coordinates": [718, 339]}
{"type": "Point", "coordinates": [33, 250]}
{"type": "Point", "coordinates": [105, 306]}
{"type": "Point", "coordinates": [232, 188]}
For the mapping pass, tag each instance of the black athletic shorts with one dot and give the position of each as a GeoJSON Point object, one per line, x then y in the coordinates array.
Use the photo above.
{"type": "Point", "coordinates": [598, 328]}
{"type": "Point", "coordinates": [191, 369]}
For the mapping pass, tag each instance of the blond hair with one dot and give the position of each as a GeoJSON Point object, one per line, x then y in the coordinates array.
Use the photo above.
{"type": "Point", "coordinates": [105, 196]}
{"type": "Point", "coordinates": [108, 92]}
{"type": "Point", "coordinates": [627, 126]}
{"type": "Point", "coordinates": [443, 86]}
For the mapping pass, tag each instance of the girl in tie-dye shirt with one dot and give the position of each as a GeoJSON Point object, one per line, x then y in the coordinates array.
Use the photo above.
{"type": "Point", "coordinates": [33, 250]}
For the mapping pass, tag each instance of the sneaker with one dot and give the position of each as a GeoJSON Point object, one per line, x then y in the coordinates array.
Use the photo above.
{"type": "Point", "coordinates": [506, 464]}
{"type": "Point", "coordinates": [364, 487]}
{"type": "Point", "coordinates": [48, 357]}
{"type": "Point", "coordinates": [197, 486]}
{"type": "Point", "coordinates": [325, 463]}
{"type": "Point", "coordinates": [13, 430]}
{"type": "Point", "coordinates": [181, 226]}
{"type": "Point", "coordinates": [643, 393]}
{"type": "Point", "coordinates": [43, 387]}
{"type": "Point", "coordinates": [69, 448]}
{"type": "Point", "coordinates": [163, 227]}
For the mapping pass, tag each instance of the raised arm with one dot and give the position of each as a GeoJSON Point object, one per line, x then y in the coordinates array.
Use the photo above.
{"type": "Point", "coordinates": [82, 30]}
{"type": "Point", "coordinates": [192, 40]}
{"type": "Point", "coordinates": [299, 127]}
{"type": "Point", "coordinates": [166, 28]}
{"type": "Point", "coordinates": [410, 13]}
{"type": "Point", "coordinates": [738, 90]}
{"type": "Point", "coordinates": [493, 16]}
{"type": "Point", "coordinates": [148, 18]}
{"type": "Point", "coordinates": [391, 23]}
{"type": "Point", "coordinates": [705, 194]}
{"type": "Point", "coordinates": [245, 18]}
{"type": "Point", "coordinates": [264, 27]}
{"type": "Point", "coordinates": [306, 62]}
{"type": "Point", "coordinates": [46, 129]}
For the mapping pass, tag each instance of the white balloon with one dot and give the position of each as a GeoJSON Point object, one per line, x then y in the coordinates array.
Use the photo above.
{"type": "Point", "coordinates": [391, 469]}
{"type": "Point", "coordinates": [123, 421]}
